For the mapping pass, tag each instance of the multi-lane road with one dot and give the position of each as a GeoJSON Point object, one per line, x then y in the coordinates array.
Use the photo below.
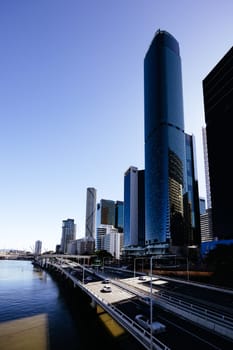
{"type": "Point", "coordinates": [186, 309]}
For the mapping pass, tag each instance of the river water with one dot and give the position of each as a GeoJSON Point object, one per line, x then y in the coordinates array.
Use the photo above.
{"type": "Point", "coordinates": [72, 324]}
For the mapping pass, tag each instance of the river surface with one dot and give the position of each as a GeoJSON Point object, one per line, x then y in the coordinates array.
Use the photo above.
{"type": "Point", "coordinates": [72, 324]}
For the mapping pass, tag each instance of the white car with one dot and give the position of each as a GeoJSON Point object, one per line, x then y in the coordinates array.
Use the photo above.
{"type": "Point", "coordinates": [106, 289]}
{"type": "Point", "coordinates": [144, 322]}
{"type": "Point", "coordinates": [142, 278]}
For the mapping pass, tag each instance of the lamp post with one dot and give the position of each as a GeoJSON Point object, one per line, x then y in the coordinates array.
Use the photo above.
{"type": "Point", "coordinates": [105, 257]}
{"type": "Point", "coordinates": [134, 265]}
{"type": "Point", "coordinates": [151, 304]}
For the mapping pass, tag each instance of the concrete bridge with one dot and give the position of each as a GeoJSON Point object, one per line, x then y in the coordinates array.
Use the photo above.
{"type": "Point", "coordinates": [127, 289]}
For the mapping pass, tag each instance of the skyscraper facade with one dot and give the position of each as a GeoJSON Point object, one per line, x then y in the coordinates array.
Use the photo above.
{"type": "Point", "coordinates": [119, 216]}
{"type": "Point", "coordinates": [38, 247]}
{"type": "Point", "coordinates": [105, 218]}
{"type": "Point", "coordinates": [134, 209]}
{"type": "Point", "coordinates": [206, 164]}
{"type": "Point", "coordinates": [164, 144]}
{"type": "Point", "coordinates": [192, 229]}
{"type": "Point", "coordinates": [218, 107]}
{"type": "Point", "coordinates": [68, 234]}
{"type": "Point", "coordinates": [90, 213]}
{"type": "Point", "coordinates": [106, 212]}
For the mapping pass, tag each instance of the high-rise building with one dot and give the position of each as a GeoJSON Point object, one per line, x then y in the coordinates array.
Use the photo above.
{"type": "Point", "coordinates": [206, 164]}
{"type": "Point", "coordinates": [202, 205]}
{"type": "Point", "coordinates": [38, 247]}
{"type": "Point", "coordinates": [218, 107]}
{"type": "Point", "coordinates": [164, 145]}
{"type": "Point", "coordinates": [206, 226]}
{"type": "Point", "coordinates": [110, 223]}
{"type": "Point", "coordinates": [106, 212]}
{"type": "Point", "coordinates": [192, 229]}
{"type": "Point", "coordinates": [68, 234]}
{"type": "Point", "coordinates": [119, 216]}
{"type": "Point", "coordinates": [90, 213]}
{"type": "Point", "coordinates": [134, 209]}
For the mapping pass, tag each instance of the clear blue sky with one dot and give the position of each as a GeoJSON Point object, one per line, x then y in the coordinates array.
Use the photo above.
{"type": "Point", "coordinates": [71, 101]}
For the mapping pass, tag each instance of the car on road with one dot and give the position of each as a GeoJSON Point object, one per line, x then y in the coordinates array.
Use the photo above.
{"type": "Point", "coordinates": [89, 278]}
{"type": "Point", "coordinates": [106, 281]}
{"type": "Point", "coordinates": [156, 326]}
{"type": "Point", "coordinates": [142, 278]}
{"type": "Point", "coordinates": [106, 289]}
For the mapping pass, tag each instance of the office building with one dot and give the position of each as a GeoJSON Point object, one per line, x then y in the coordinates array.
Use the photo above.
{"type": "Point", "coordinates": [110, 221]}
{"type": "Point", "coordinates": [164, 145]}
{"type": "Point", "coordinates": [85, 246]}
{"type": "Point", "coordinates": [206, 164]}
{"type": "Point", "coordinates": [112, 243]}
{"type": "Point", "coordinates": [206, 226]}
{"type": "Point", "coordinates": [106, 212]}
{"type": "Point", "coordinates": [192, 230]}
{"type": "Point", "coordinates": [90, 213]}
{"type": "Point", "coordinates": [218, 107]}
{"type": "Point", "coordinates": [68, 234]}
{"type": "Point", "coordinates": [38, 247]}
{"type": "Point", "coordinates": [202, 205]}
{"type": "Point", "coordinates": [119, 216]}
{"type": "Point", "coordinates": [101, 232]}
{"type": "Point", "coordinates": [134, 211]}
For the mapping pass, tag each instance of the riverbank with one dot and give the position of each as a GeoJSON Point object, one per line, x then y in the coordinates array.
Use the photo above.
{"type": "Point", "coordinates": [26, 333]}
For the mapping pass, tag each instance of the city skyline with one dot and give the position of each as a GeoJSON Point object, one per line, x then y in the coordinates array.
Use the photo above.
{"type": "Point", "coordinates": [72, 109]}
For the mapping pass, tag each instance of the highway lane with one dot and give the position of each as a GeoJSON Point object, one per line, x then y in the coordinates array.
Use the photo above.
{"type": "Point", "coordinates": [217, 299]}
{"type": "Point", "coordinates": [179, 331]}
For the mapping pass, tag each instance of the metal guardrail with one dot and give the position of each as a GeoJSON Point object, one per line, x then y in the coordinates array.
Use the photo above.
{"type": "Point", "coordinates": [207, 318]}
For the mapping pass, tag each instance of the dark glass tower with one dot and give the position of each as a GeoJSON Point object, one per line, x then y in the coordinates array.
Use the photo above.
{"type": "Point", "coordinates": [164, 145]}
{"type": "Point", "coordinates": [218, 105]}
{"type": "Point", "coordinates": [119, 216]}
{"type": "Point", "coordinates": [191, 197]}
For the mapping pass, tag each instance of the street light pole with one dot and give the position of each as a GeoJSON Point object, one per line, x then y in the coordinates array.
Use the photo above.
{"type": "Point", "coordinates": [187, 268]}
{"type": "Point", "coordinates": [151, 304]}
{"type": "Point", "coordinates": [134, 267]}
{"type": "Point", "coordinates": [151, 310]}
{"type": "Point", "coordinates": [105, 257]}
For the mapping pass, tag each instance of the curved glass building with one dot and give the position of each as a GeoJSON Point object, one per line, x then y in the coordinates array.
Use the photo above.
{"type": "Point", "coordinates": [164, 145]}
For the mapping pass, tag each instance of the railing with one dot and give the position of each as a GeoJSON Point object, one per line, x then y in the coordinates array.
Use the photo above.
{"type": "Point", "coordinates": [205, 317]}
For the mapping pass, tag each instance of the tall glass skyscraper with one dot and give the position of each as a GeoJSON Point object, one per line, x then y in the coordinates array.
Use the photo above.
{"type": "Point", "coordinates": [119, 216]}
{"type": "Point", "coordinates": [90, 213]}
{"type": "Point", "coordinates": [68, 234]}
{"type": "Point", "coordinates": [164, 145]}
